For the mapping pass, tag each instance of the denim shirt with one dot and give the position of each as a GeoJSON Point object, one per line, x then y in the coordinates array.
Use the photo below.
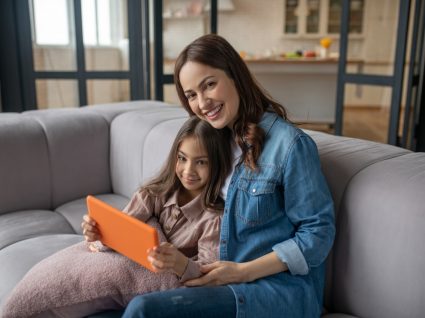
{"type": "Point", "coordinates": [284, 206]}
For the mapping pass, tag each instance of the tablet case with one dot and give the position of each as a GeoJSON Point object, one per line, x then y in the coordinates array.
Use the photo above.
{"type": "Point", "coordinates": [123, 233]}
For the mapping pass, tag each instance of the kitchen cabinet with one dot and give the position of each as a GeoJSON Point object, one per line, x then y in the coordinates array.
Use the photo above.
{"type": "Point", "coordinates": [318, 18]}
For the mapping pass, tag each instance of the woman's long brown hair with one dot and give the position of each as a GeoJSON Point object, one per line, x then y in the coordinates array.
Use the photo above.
{"type": "Point", "coordinates": [214, 51]}
{"type": "Point", "coordinates": [216, 143]}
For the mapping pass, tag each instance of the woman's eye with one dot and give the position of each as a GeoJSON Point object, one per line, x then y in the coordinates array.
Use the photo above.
{"type": "Point", "coordinates": [202, 162]}
{"type": "Point", "coordinates": [181, 158]}
{"type": "Point", "coordinates": [210, 84]}
{"type": "Point", "coordinates": [190, 96]}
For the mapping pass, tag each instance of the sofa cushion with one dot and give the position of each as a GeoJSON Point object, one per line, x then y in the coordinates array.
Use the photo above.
{"type": "Point", "coordinates": [78, 146]}
{"type": "Point", "coordinates": [342, 158]}
{"type": "Point", "coordinates": [378, 251]}
{"type": "Point", "coordinates": [129, 133]}
{"type": "Point", "coordinates": [74, 211]}
{"type": "Point", "coordinates": [111, 110]}
{"type": "Point", "coordinates": [91, 282]}
{"type": "Point", "coordinates": [22, 225]}
{"type": "Point", "coordinates": [24, 165]}
{"type": "Point", "coordinates": [18, 258]}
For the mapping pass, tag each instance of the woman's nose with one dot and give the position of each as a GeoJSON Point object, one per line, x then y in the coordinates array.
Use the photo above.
{"type": "Point", "coordinates": [204, 102]}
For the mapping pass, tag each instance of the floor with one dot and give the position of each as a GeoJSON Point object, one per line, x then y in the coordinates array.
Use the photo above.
{"type": "Point", "coordinates": [364, 123]}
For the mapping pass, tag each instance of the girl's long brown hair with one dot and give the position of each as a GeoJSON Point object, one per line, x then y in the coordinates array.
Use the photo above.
{"type": "Point", "coordinates": [217, 145]}
{"type": "Point", "coordinates": [214, 51]}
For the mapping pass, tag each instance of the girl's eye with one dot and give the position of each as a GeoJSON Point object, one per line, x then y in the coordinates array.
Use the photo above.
{"type": "Point", "coordinates": [181, 158]}
{"type": "Point", "coordinates": [202, 162]}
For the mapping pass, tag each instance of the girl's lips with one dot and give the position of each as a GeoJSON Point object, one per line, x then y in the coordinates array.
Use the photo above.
{"type": "Point", "coordinates": [212, 114]}
{"type": "Point", "coordinates": [190, 180]}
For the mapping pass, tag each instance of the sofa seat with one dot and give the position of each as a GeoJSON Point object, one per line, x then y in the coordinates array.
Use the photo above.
{"type": "Point", "coordinates": [18, 258]}
{"type": "Point", "coordinates": [74, 211]}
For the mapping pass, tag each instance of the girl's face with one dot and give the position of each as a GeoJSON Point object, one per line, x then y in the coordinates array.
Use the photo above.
{"type": "Point", "coordinates": [192, 166]}
{"type": "Point", "coordinates": [211, 94]}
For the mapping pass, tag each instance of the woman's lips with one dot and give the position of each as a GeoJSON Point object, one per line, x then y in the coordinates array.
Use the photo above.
{"type": "Point", "coordinates": [213, 113]}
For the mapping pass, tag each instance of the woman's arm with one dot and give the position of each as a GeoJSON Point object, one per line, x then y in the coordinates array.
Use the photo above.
{"type": "Point", "coordinates": [309, 206]}
{"type": "Point", "coordinates": [222, 273]}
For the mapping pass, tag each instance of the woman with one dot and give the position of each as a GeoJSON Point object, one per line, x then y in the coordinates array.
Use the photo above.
{"type": "Point", "coordinates": [278, 223]}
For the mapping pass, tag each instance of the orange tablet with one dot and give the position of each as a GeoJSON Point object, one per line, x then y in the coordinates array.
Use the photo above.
{"type": "Point", "coordinates": [123, 233]}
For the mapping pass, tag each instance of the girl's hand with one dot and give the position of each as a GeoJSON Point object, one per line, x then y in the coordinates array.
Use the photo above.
{"type": "Point", "coordinates": [90, 230]}
{"type": "Point", "coordinates": [220, 273]}
{"type": "Point", "coordinates": [167, 257]}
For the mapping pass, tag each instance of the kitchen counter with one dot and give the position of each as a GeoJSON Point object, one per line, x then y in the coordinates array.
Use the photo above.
{"type": "Point", "coordinates": [305, 86]}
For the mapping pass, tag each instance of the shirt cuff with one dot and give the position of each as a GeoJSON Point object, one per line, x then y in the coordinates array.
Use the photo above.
{"type": "Point", "coordinates": [289, 253]}
{"type": "Point", "coordinates": [192, 271]}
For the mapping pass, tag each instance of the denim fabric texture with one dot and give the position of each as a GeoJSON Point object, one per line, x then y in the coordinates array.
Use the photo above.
{"type": "Point", "coordinates": [203, 302]}
{"type": "Point", "coordinates": [284, 206]}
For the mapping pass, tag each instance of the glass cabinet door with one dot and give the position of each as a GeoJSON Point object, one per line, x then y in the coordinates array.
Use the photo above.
{"type": "Point", "coordinates": [313, 16]}
{"type": "Point", "coordinates": [320, 17]}
{"type": "Point", "coordinates": [291, 16]}
{"type": "Point", "coordinates": [356, 16]}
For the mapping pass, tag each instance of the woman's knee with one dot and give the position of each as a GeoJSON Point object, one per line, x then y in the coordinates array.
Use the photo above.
{"type": "Point", "coordinates": [140, 307]}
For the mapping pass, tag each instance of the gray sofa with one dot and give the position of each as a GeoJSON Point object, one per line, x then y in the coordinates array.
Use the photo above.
{"type": "Point", "coordinates": [50, 160]}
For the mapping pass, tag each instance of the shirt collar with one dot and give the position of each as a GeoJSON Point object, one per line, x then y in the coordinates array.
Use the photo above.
{"type": "Point", "coordinates": [191, 210]}
{"type": "Point", "coordinates": [267, 121]}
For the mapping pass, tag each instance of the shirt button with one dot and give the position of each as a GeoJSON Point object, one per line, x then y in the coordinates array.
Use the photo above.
{"type": "Point", "coordinates": [254, 190]}
{"type": "Point", "coordinates": [223, 242]}
{"type": "Point", "coordinates": [167, 228]}
{"type": "Point", "coordinates": [175, 216]}
{"type": "Point", "coordinates": [241, 300]}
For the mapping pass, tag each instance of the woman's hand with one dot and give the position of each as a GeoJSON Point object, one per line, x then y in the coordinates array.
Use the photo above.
{"type": "Point", "coordinates": [167, 257]}
{"type": "Point", "coordinates": [220, 273]}
{"type": "Point", "coordinates": [90, 230]}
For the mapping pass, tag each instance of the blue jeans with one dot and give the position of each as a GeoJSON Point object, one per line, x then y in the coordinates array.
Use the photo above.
{"type": "Point", "coordinates": [183, 302]}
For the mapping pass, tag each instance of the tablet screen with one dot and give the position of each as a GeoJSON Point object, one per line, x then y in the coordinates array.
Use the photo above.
{"type": "Point", "coordinates": [123, 233]}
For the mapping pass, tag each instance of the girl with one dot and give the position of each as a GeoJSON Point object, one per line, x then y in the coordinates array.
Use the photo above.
{"type": "Point", "coordinates": [278, 222]}
{"type": "Point", "coordinates": [185, 199]}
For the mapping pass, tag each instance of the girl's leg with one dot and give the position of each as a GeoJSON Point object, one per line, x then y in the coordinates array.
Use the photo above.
{"type": "Point", "coordinates": [204, 302]}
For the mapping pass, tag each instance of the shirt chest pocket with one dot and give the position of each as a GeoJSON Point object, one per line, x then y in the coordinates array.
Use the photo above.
{"type": "Point", "coordinates": [255, 201]}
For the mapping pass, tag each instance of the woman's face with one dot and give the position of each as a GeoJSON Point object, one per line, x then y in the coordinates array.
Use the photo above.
{"type": "Point", "coordinates": [211, 94]}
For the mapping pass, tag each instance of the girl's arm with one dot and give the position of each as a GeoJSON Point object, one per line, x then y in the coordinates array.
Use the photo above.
{"type": "Point", "coordinates": [167, 258]}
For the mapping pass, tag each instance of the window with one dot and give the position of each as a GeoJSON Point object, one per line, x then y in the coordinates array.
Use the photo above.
{"type": "Point", "coordinates": [101, 19]}
{"type": "Point", "coordinates": [51, 29]}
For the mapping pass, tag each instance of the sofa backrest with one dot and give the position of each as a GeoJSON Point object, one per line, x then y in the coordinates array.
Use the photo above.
{"type": "Point", "coordinates": [49, 158]}
{"type": "Point", "coordinates": [25, 181]}
{"type": "Point", "coordinates": [140, 143]}
{"type": "Point", "coordinates": [376, 265]}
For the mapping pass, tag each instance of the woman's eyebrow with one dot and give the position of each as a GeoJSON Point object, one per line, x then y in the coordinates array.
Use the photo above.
{"type": "Point", "coordinates": [201, 83]}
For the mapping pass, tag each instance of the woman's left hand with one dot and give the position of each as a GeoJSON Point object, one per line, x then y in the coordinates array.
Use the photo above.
{"type": "Point", "coordinates": [220, 273]}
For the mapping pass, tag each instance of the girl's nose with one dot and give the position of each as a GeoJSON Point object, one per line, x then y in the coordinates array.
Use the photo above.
{"type": "Point", "coordinates": [189, 167]}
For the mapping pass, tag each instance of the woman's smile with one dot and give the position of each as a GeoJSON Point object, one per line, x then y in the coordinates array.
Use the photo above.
{"type": "Point", "coordinates": [210, 93]}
